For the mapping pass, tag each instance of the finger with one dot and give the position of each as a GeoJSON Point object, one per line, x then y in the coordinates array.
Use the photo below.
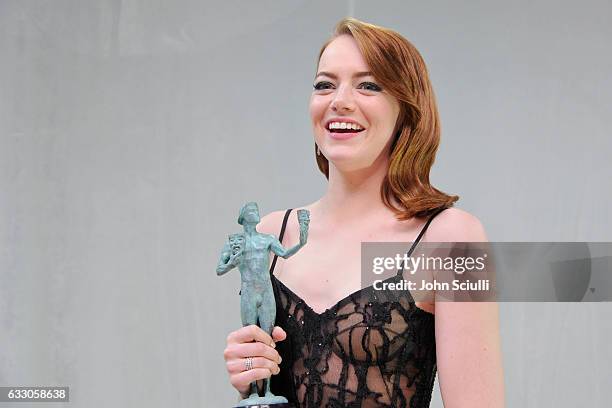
{"type": "Point", "coordinates": [257, 349]}
{"type": "Point", "coordinates": [249, 333]}
{"type": "Point", "coordinates": [251, 349]}
{"type": "Point", "coordinates": [240, 380]}
{"type": "Point", "coordinates": [278, 334]}
{"type": "Point", "coordinates": [239, 365]}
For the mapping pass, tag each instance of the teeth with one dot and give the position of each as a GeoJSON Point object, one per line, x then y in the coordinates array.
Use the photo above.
{"type": "Point", "coordinates": [344, 125]}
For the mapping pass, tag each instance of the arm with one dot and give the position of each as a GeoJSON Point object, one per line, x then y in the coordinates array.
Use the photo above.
{"type": "Point", "coordinates": [227, 261]}
{"type": "Point", "coordinates": [283, 252]}
{"type": "Point", "coordinates": [468, 347]}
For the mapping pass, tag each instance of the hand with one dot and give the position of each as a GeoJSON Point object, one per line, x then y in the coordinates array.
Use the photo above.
{"type": "Point", "coordinates": [252, 341]}
{"type": "Point", "coordinates": [235, 258]}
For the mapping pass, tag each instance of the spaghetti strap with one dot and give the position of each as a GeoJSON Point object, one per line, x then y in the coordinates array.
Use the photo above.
{"type": "Point", "coordinates": [280, 238]}
{"type": "Point", "coordinates": [418, 238]}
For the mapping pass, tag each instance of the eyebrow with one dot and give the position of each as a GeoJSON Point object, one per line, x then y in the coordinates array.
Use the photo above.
{"type": "Point", "coordinates": [334, 76]}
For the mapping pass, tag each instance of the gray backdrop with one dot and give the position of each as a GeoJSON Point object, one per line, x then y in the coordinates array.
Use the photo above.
{"type": "Point", "coordinates": [132, 131]}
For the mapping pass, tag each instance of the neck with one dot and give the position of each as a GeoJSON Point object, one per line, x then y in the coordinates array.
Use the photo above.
{"type": "Point", "coordinates": [249, 229]}
{"type": "Point", "coordinates": [354, 195]}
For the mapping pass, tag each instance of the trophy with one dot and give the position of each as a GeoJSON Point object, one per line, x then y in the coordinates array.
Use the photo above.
{"type": "Point", "coordinates": [249, 252]}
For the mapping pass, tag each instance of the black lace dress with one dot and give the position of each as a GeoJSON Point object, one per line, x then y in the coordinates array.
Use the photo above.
{"type": "Point", "coordinates": [371, 349]}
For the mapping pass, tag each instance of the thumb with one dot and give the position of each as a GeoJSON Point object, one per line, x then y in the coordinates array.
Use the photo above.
{"type": "Point", "coordinates": [278, 334]}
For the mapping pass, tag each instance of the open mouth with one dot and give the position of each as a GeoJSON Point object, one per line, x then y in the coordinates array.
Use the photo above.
{"type": "Point", "coordinates": [344, 127]}
{"type": "Point", "coordinates": [345, 130]}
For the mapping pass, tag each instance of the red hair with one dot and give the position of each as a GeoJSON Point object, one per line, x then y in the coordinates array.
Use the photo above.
{"type": "Point", "coordinates": [400, 69]}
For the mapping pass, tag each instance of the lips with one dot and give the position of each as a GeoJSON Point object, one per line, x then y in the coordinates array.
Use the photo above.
{"type": "Point", "coordinates": [341, 128]}
{"type": "Point", "coordinates": [343, 134]}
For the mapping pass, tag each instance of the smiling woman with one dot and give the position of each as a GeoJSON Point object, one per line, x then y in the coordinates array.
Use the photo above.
{"type": "Point", "coordinates": [376, 132]}
{"type": "Point", "coordinates": [383, 75]}
{"type": "Point", "coordinates": [346, 95]}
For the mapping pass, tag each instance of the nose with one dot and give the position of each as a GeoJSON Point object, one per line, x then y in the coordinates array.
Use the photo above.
{"type": "Point", "coordinates": [343, 101]}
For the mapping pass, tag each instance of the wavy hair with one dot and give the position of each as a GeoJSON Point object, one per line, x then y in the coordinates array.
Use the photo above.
{"type": "Point", "coordinates": [399, 67]}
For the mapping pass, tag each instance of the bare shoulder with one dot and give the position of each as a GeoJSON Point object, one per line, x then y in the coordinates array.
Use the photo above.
{"type": "Point", "coordinates": [271, 223]}
{"type": "Point", "coordinates": [456, 225]}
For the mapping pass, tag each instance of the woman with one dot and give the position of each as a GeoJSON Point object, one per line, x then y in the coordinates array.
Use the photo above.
{"type": "Point", "coordinates": [376, 129]}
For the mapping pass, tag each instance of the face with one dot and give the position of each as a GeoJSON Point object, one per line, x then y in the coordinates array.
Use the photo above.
{"type": "Point", "coordinates": [346, 96]}
{"type": "Point", "coordinates": [236, 242]}
{"type": "Point", "coordinates": [251, 214]}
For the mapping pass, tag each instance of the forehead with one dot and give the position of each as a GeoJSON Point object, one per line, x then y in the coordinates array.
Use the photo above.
{"type": "Point", "coordinates": [342, 54]}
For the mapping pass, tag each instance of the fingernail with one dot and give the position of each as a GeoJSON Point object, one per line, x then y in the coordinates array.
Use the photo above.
{"type": "Point", "coordinates": [273, 344]}
{"type": "Point", "coordinates": [280, 359]}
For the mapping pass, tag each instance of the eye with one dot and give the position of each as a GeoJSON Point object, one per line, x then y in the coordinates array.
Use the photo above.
{"type": "Point", "coordinates": [321, 85]}
{"type": "Point", "coordinates": [371, 86]}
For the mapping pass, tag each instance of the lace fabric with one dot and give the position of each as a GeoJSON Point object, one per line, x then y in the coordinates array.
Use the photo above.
{"type": "Point", "coordinates": [371, 349]}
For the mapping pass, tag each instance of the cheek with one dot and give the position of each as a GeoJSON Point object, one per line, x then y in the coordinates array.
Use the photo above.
{"type": "Point", "coordinates": [316, 109]}
{"type": "Point", "coordinates": [317, 113]}
{"type": "Point", "coordinates": [381, 116]}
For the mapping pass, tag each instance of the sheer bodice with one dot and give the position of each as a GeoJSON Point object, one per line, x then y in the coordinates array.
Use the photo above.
{"type": "Point", "coordinates": [371, 349]}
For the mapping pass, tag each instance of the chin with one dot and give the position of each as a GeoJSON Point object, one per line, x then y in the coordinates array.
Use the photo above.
{"type": "Point", "coordinates": [348, 162]}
